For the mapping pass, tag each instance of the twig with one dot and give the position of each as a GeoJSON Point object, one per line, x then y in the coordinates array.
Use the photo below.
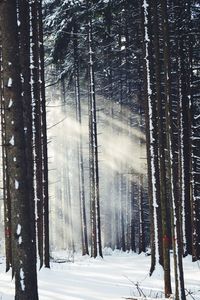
{"type": "Point", "coordinates": [190, 293]}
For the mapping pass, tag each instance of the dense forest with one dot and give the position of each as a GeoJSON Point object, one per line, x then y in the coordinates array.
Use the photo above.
{"type": "Point", "coordinates": [100, 136]}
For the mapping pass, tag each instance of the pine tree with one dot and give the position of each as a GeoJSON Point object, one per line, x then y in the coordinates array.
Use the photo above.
{"type": "Point", "coordinates": [23, 251]}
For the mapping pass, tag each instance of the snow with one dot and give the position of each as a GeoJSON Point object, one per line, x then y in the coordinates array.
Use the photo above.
{"type": "Point", "coordinates": [22, 279]}
{"type": "Point", "coordinates": [12, 141]}
{"type": "Point", "coordinates": [116, 277]}
{"type": "Point", "coordinates": [10, 82]}
{"type": "Point", "coordinates": [16, 184]}
{"type": "Point", "coordinates": [10, 103]}
{"type": "Point", "coordinates": [19, 228]}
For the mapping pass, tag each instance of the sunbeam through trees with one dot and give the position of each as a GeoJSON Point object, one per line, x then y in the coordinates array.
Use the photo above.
{"type": "Point", "coordinates": [100, 137]}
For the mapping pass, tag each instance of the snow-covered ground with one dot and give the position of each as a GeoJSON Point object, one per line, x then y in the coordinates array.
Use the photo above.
{"type": "Point", "coordinates": [117, 276]}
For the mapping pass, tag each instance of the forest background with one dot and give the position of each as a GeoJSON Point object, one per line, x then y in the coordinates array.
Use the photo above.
{"type": "Point", "coordinates": [122, 80]}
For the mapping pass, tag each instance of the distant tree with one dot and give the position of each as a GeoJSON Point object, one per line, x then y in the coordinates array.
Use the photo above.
{"type": "Point", "coordinates": [80, 142]}
{"type": "Point", "coordinates": [96, 243]}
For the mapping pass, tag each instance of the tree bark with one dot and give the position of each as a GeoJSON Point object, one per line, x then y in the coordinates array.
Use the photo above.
{"type": "Point", "coordinates": [23, 252]}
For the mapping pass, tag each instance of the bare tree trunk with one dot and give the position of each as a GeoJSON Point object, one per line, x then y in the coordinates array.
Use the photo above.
{"type": "Point", "coordinates": [38, 128]}
{"type": "Point", "coordinates": [162, 167]}
{"type": "Point", "coordinates": [6, 192]}
{"type": "Point", "coordinates": [133, 246]}
{"type": "Point", "coordinates": [80, 147]}
{"type": "Point", "coordinates": [151, 145]}
{"type": "Point", "coordinates": [44, 140]}
{"type": "Point", "coordinates": [23, 252]}
{"type": "Point", "coordinates": [24, 41]}
{"type": "Point", "coordinates": [174, 182]}
{"type": "Point", "coordinates": [94, 168]}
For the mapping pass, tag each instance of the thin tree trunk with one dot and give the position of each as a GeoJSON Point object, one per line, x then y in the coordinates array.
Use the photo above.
{"type": "Point", "coordinates": [151, 147]}
{"type": "Point", "coordinates": [38, 128]}
{"type": "Point", "coordinates": [44, 140]}
{"type": "Point", "coordinates": [94, 168]}
{"type": "Point", "coordinates": [80, 148]}
{"type": "Point", "coordinates": [175, 215]}
{"type": "Point", "coordinates": [6, 192]}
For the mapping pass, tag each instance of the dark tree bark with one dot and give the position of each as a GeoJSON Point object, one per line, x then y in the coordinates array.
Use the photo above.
{"type": "Point", "coordinates": [44, 139]}
{"type": "Point", "coordinates": [80, 145]}
{"type": "Point", "coordinates": [6, 193]}
{"type": "Point", "coordinates": [162, 156]}
{"type": "Point", "coordinates": [142, 247]}
{"type": "Point", "coordinates": [93, 144]}
{"type": "Point", "coordinates": [23, 252]}
{"type": "Point", "coordinates": [24, 42]}
{"type": "Point", "coordinates": [38, 127]}
{"type": "Point", "coordinates": [174, 180]}
{"type": "Point", "coordinates": [132, 237]}
{"type": "Point", "coordinates": [151, 138]}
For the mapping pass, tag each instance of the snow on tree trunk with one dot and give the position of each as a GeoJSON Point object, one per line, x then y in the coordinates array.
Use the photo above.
{"type": "Point", "coordinates": [23, 254]}
{"type": "Point", "coordinates": [94, 169]}
{"type": "Point", "coordinates": [151, 129]}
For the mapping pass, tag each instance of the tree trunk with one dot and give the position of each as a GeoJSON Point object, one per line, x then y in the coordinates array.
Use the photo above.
{"type": "Point", "coordinates": [6, 192]}
{"type": "Point", "coordinates": [151, 144]}
{"type": "Point", "coordinates": [44, 140]}
{"type": "Point", "coordinates": [37, 110]}
{"type": "Point", "coordinates": [94, 168]}
{"type": "Point", "coordinates": [162, 167]}
{"type": "Point", "coordinates": [174, 182]}
{"type": "Point", "coordinates": [23, 252]}
{"type": "Point", "coordinates": [80, 147]}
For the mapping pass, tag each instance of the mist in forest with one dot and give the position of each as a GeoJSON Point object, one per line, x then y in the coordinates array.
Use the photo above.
{"type": "Point", "coordinates": [122, 158]}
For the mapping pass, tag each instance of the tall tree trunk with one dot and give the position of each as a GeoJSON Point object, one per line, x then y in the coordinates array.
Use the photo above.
{"type": "Point", "coordinates": [162, 158]}
{"type": "Point", "coordinates": [94, 168]}
{"type": "Point", "coordinates": [6, 192]}
{"type": "Point", "coordinates": [80, 146]}
{"type": "Point", "coordinates": [44, 139]}
{"type": "Point", "coordinates": [151, 145]}
{"type": "Point", "coordinates": [38, 127]}
{"type": "Point", "coordinates": [23, 252]}
{"type": "Point", "coordinates": [24, 42]}
{"type": "Point", "coordinates": [175, 184]}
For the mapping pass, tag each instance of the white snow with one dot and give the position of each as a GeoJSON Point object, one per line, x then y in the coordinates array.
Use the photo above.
{"type": "Point", "coordinates": [115, 277]}
{"type": "Point", "coordinates": [16, 184]}
{"type": "Point", "coordinates": [10, 103]}
{"type": "Point", "coordinates": [12, 141]}
{"type": "Point", "coordinates": [19, 228]}
{"type": "Point", "coordinates": [9, 82]}
{"type": "Point", "coordinates": [22, 279]}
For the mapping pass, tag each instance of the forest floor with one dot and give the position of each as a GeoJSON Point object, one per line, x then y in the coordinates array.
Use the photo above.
{"type": "Point", "coordinates": [118, 276]}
